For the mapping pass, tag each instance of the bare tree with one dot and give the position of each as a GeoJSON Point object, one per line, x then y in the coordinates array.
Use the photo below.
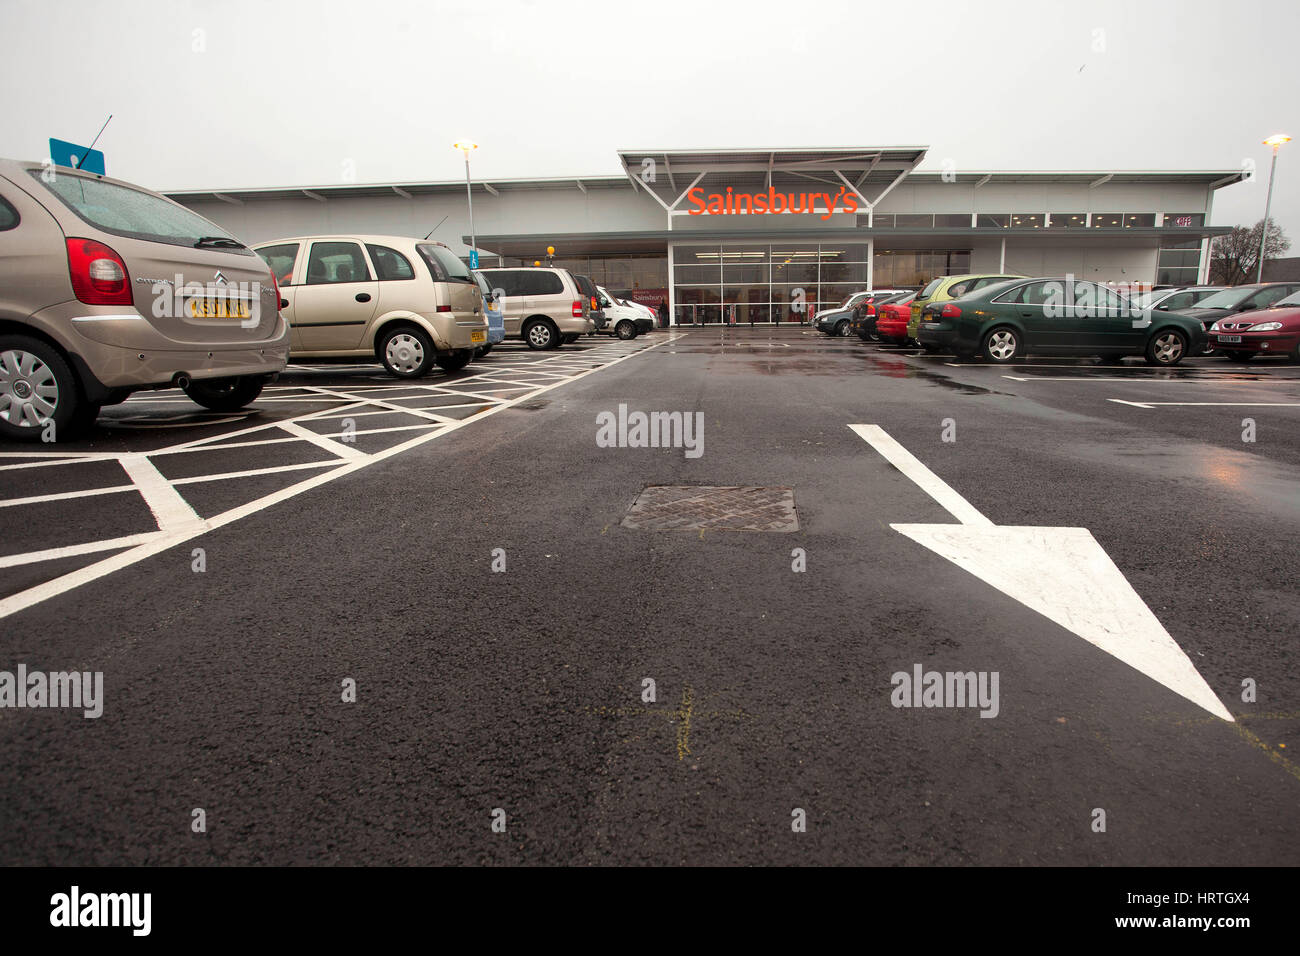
{"type": "Point", "coordinates": [1234, 258]}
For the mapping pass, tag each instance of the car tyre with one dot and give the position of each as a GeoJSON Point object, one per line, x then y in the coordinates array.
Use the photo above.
{"type": "Point", "coordinates": [406, 352]}
{"type": "Point", "coordinates": [225, 394]}
{"type": "Point", "coordinates": [1166, 348]}
{"type": "Point", "coordinates": [482, 350]}
{"type": "Point", "coordinates": [454, 361]}
{"type": "Point", "coordinates": [1001, 345]}
{"type": "Point", "coordinates": [37, 387]}
{"type": "Point", "coordinates": [541, 335]}
{"type": "Point", "coordinates": [625, 329]}
{"type": "Point", "coordinates": [1238, 356]}
{"type": "Point", "coordinates": [842, 328]}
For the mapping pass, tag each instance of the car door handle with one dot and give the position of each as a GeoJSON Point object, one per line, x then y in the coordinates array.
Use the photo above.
{"type": "Point", "coordinates": [1027, 314]}
{"type": "Point", "coordinates": [363, 296]}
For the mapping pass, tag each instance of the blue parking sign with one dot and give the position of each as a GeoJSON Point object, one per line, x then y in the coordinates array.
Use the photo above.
{"type": "Point", "coordinates": [473, 258]}
{"type": "Point", "coordinates": [71, 155]}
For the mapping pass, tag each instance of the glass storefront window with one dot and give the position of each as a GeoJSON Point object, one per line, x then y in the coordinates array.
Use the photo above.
{"type": "Point", "coordinates": [787, 281]}
{"type": "Point", "coordinates": [952, 220]}
{"type": "Point", "coordinates": [992, 220]}
{"type": "Point", "coordinates": [745, 272]}
{"type": "Point", "coordinates": [1069, 220]}
{"type": "Point", "coordinates": [1026, 221]}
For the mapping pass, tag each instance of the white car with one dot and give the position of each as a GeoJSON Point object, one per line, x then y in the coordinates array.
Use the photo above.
{"type": "Point", "coordinates": [625, 319]}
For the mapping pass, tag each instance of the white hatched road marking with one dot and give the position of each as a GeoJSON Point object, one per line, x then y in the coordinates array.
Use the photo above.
{"type": "Point", "coordinates": [171, 510]}
{"type": "Point", "coordinates": [176, 518]}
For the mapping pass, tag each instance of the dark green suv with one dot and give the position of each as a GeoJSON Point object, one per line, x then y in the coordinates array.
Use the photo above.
{"type": "Point", "coordinates": [1059, 316]}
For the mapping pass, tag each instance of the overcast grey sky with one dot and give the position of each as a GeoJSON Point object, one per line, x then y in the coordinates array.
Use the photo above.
{"type": "Point", "coordinates": [230, 94]}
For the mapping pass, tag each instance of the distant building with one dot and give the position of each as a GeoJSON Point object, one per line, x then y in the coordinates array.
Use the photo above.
{"type": "Point", "coordinates": [765, 235]}
{"type": "Point", "coordinates": [1282, 270]}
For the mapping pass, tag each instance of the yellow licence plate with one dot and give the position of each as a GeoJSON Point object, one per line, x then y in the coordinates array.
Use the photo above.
{"type": "Point", "coordinates": [478, 336]}
{"type": "Point", "coordinates": [218, 309]}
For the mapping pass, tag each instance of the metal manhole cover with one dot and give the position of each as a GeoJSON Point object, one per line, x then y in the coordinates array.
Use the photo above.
{"type": "Point", "coordinates": [687, 508]}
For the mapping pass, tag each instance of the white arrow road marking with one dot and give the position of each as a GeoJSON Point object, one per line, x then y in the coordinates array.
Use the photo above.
{"type": "Point", "coordinates": [1062, 573]}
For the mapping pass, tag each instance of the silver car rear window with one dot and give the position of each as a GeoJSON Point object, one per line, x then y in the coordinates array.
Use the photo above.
{"type": "Point", "coordinates": [133, 213]}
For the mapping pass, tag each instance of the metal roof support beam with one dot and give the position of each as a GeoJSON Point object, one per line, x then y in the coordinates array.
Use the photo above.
{"type": "Point", "coordinates": [490, 189]}
{"type": "Point", "coordinates": [1102, 181]}
{"type": "Point", "coordinates": [230, 199]}
{"type": "Point", "coordinates": [983, 181]}
{"type": "Point", "coordinates": [580, 186]}
{"type": "Point", "coordinates": [888, 189]}
{"type": "Point", "coordinates": [676, 202]}
{"type": "Point", "coordinates": [311, 195]}
{"type": "Point", "coordinates": [669, 168]}
{"type": "Point", "coordinates": [401, 192]}
{"type": "Point", "coordinates": [867, 172]}
{"type": "Point", "coordinates": [867, 204]}
{"type": "Point", "coordinates": [649, 192]}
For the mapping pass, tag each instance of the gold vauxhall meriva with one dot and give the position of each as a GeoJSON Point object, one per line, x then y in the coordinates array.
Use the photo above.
{"type": "Point", "coordinates": [107, 288]}
{"type": "Point", "coordinates": [409, 303]}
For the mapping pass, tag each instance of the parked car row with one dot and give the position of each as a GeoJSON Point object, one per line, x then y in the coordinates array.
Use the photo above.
{"type": "Point", "coordinates": [107, 288]}
{"type": "Point", "coordinates": [1003, 318]}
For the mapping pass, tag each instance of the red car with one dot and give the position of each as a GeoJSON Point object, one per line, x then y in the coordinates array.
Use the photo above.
{"type": "Point", "coordinates": [891, 320]}
{"type": "Point", "coordinates": [1271, 331]}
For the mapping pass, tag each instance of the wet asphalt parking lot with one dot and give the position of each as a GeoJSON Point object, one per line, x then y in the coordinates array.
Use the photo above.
{"type": "Point", "coordinates": [229, 575]}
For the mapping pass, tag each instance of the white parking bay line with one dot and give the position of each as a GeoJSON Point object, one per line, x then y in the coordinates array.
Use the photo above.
{"type": "Point", "coordinates": [172, 512]}
{"type": "Point", "coordinates": [158, 542]}
{"type": "Point", "coordinates": [75, 550]}
{"type": "Point", "coordinates": [338, 448]}
{"type": "Point", "coordinates": [1121, 401]}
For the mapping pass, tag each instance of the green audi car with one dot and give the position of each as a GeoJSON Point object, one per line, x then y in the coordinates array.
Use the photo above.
{"type": "Point", "coordinates": [1057, 316]}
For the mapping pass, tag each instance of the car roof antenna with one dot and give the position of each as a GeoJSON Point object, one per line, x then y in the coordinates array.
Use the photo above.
{"type": "Point", "coordinates": [94, 141]}
{"type": "Point", "coordinates": [435, 228]}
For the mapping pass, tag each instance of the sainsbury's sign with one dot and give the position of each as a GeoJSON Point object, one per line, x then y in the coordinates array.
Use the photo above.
{"type": "Point", "coordinates": [733, 203]}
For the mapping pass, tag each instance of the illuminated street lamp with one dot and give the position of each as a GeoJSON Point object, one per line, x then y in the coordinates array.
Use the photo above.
{"type": "Point", "coordinates": [465, 146]}
{"type": "Point", "coordinates": [550, 255]}
{"type": "Point", "coordinates": [1275, 141]}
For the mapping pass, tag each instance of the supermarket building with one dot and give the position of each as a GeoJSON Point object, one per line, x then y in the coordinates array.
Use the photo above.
{"type": "Point", "coordinates": [760, 235]}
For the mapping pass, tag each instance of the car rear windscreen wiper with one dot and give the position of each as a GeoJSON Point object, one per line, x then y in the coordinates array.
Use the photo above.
{"type": "Point", "coordinates": [221, 242]}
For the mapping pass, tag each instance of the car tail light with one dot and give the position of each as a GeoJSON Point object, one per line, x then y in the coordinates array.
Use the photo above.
{"type": "Point", "coordinates": [444, 308]}
{"type": "Point", "coordinates": [871, 309]}
{"type": "Point", "coordinates": [577, 309]}
{"type": "Point", "coordinates": [951, 311]}
{"type": "Point", "coordinates": [275, 284]}
{"type": "Point", "coordinates": [98, 273]}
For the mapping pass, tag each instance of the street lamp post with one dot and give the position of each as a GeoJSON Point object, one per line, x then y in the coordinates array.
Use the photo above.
{"type": "Point", "coordinates": [1275, 142]}
{"type": "Point", "coordinates": [465, 146]}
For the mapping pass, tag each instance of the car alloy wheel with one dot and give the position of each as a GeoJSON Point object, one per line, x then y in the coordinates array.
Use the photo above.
{"type": "Point", "coordinates": [625, 330]}
{"type": "Point", "coordinates": [540, 336]}
{"type": "Point", "coordinates": [1167, 348]}
{"type": "Point", "coordinates": [842, 328]}
{"type": "Point", "coordinates": [29, 390]}
{"type": "Point", "coordinates": [1001, 345]}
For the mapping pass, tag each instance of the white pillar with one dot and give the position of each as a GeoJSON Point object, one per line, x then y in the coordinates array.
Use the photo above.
{"type": "Point", "coordinates": [672, 290]}
{"type": "Point", "coordinates": [1002, 257]}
